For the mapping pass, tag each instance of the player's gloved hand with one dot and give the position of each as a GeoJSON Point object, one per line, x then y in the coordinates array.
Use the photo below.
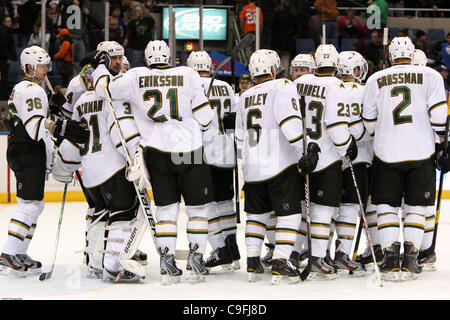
{"type": "Point", "coordinates": [60, 173]}
{"type": "Point", "coordinates": [229, 121]}
{"type": "Point", "coordinates": [308, 161]}
{"type": "Point", "coordinates": [55, 101]}
{"type": "Point", "coordinates": [352, 150]}
{"type": "Point", "coordinates": [136, 171]}
{"type": "Point", "coordinates": [101, 57]}
{"type": "Point", "coordinates": [442, 158]}
{"type": "Point", "coordinates": [76, 132]}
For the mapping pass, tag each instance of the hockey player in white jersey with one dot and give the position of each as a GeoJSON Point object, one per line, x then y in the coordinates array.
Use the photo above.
{"type": "Point", "coordinates": [328, 127]}
{"type": "Point", "coordinates": [218, 149]}
{"type": "Point", "coordinates": [353, 69]}
{"type": "Point", "coordinates": [29, 155]}
{"type": "Point", "coordinates": [405, 107]}
{"type": "Point", "coordinates": [103, 162]}
{"type": "Point", "coordinates": [172, 110]}
{"type": "Point", "coordinates": [268, 121]}
{"type": "Point", "coordinates": [302, 64]}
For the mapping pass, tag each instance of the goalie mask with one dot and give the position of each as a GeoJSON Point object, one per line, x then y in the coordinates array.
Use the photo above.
{"type": "Point", "coordinates": [86, 78]}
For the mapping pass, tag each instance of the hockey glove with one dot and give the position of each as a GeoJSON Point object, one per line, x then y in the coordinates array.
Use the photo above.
{"type": "Point", "coordinates": [443, 158]}
{"type": "Point", "coordinates": [136, 171]}
{"type": "Point", "coordinates": [229, 121]}
{"type": "Point", "coordinates": [352, 150]}
{"type": "Point", "coordinates": [101, 57]}
{"type": "Point", "coordinates": [76, 132]}
{"type": "Point", "coordinates": [60, 173]}
{"type": "Point", "coordinates": [308, 161]}
{"type": "Point", "coordinates": [55, 101]}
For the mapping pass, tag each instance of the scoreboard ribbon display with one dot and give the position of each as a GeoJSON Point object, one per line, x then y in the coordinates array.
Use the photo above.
{"type": "Point", "coordinates": [187, 23]}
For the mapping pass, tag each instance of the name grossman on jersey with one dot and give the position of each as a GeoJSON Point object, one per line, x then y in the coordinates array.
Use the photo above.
{"type": "Point", "coordinates": [400, 78]}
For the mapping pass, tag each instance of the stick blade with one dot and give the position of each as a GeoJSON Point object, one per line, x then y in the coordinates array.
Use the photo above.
{"type": "Point", "coordinates": [45, 275]}
{"type": "Point", "coordinates": [305, 273]}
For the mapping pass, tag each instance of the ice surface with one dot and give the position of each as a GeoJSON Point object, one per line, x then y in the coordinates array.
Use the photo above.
{"type": "Point", "coordinates": [69, 279]}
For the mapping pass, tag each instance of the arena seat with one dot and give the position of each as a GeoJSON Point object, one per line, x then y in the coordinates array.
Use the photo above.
{"type": "Point", "coordinates": [436, 34]}
{"type": "Point", "coordinates": [305, 45]}
{"type": "Point", "coordinates": [347, 43]}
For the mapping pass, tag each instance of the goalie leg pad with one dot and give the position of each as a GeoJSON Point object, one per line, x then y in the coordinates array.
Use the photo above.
{"type": "Point", "coordinates": [95, 239]}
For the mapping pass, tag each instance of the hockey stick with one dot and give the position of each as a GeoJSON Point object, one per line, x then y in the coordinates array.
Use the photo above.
{"type": "Point", "coordinates": [245, 41]}
{"type": "Point", "coordinates": [432, 248]}
{"type": "Point", "coordinates": [144, 199]}
{"type": "Point", "coordinates": [305, 273]}
{"type": "Point", "coordinates": [385, 42]}
{"type": "Point", "coordinates": [365, 225]}
{"type": "Point", "coordinates": [46, 275]}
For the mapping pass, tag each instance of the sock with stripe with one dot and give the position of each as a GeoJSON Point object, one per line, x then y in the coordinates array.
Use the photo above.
{"type": "Point", "coordinates": [166, 227]}
{"type": "Point", "coordinates": [255, 229]}
{"type": "Point", "coordinates": [414, 225]}
{"type": "Point", "coordinates": [286, 232]}
{"type": "Point", "coordinates": [332, 230]}
{"type": "Point", "coordinates": [228, 217]}
{"type": "Point", "coordinates": [300, 242]}
{"type": "Point", "coordinates": [26, 242]}
{"type": "Point", "coordinates": [197, 226]}
{"type": "Point", "coordinates": [430, 218]}
{"type": "Point", "coordinates": [320, 228]}
{"type": "Point", "coordinates": [388, 223]}
{"type": "Point", "coordinates": [371, 217]}
{"type": "Point", "coordinates": [346, 226]}
{"type": "Point", "coordinates": [270, 230]}
{"type": "Point", "coordinates": [26, 215]}
{"type": "Point", "coordinates": [215, 235]}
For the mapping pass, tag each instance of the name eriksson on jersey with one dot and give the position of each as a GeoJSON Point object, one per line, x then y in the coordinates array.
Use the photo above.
{"type": "Point", "coordinates": [161, 81]}
{"type": "Point", "coordinates": [400, 78]}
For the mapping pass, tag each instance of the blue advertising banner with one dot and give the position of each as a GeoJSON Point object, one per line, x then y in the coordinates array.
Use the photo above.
{"type": "Point", "coordinates": [239, 67]}
{"type": "Point", "coordinates": [187, 23]}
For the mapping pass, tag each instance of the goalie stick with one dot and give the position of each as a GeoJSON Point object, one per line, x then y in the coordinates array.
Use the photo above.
{"type": "Point", "coordinates": [46, 275]}
{"type": "Point", "coordinates": [305, 273]}
{"type": "Point", "coordinates": [144, 199]}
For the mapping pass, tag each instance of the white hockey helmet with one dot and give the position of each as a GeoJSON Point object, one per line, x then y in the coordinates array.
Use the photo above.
{"type": "Point", "coordinates": [304, 60]}
{"type": "Point", "coordinates": [349, 60]}
{"type": "Point", "coordinates": [260, 63]}
{"type": "Point", "coordinates": [113, 48]}
{"type": "Point", "coordinates": [34, 56]}
{"type": "Point", "coordinates": [401, 47]}
{"type": "Point", "coordinates": [326, 56]}
{"type": "Point", "coordinates": [157, 52]}
{"type": "Point", "coordinates": [419, 58]}
{"type": "Point", "coordinates": [274, 57]}
{"type": "Point", "coordinates": [199, 61]}
{"type": "Point", "coordinates": [125, 62]}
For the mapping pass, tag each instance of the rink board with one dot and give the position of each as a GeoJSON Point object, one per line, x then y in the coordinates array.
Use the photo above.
{"type": "Point", "coordinates": [53, 188]}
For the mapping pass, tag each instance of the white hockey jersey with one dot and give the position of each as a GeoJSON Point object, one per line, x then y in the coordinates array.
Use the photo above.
{"type": "Point", "coordinates": [326, 117]}
{"type": "Point", "coordinates": [402, 106]}
{"type": "Point", "coordinates": [73, 93]}
{"type": "Point", "coordinates": [218, 146]}
{"type": "Point", "coordinates": [352, 106]}
{"type": "Point", "coordinates": [268, 120]}
{"type": "Point", "coordinates": [103, 156]}
{"type": "Point", "coordinates": [171, 106]}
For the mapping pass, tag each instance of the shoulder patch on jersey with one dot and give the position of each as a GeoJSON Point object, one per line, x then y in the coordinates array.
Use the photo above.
{"type": "Point", "coordinates": [284, 81]}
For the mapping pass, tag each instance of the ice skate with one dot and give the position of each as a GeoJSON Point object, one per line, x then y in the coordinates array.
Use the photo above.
{"type": "Point", "coordinates": [10, 264]}
{"type": "Point", "coordinates": [231, 244]}
{"type": "Point", "coordinates": [283, 269]}
{"type": "Point", "coordinates": [303, 257]}
{"type": "Point", "coordinates": [295, 259]}
{"type": "Point", "coordinates": [171, 274]}
{"type": "Point", "coordinates": [34, 267]}
{"type": "Point", "coordinates": [196, 270]}
{"type": "Point", "coordinates": [94, 273]}
{"type": "Point", "coordinates": [410, 265]}
{"type": "Point", "coordinates": [122, 276]}
{"type": "Point", "coordinates": [267, 259]}
{"type": "Point", "coordinates": [219, 261]}
{"type": "Point", "coordinates": [140, 257]}
{"type": "Point", "coordinates": [427, 261]}
{"type": "Point", "coordinates": [344, 265]}
{"type": "Point", "coordinates": [254, 268]}
{"type": "Point", "coordinates": [366, 260]}
{"type": "Point", "coordinates": [321, 270]}
{"type": "Point", "coordinates": [390, 267]}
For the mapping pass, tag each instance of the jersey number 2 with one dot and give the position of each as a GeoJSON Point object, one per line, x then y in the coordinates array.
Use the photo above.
{"type": "Point", "coordinates": [406, 93]}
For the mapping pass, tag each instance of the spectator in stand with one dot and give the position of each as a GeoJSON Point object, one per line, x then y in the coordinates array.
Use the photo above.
{"type": "Point", "coordinates": [350, 27]}
{"type": "Point", "coordinates": [115, 31]}
{"type": "Point", "coordinates": [328, 14]}
{"type": "Point", "coordinates": [303, 17]}
{"type": "Point", "coordinates": [422, 44]}
{"type": "Point", "coordinates": [284, 33]}
{"type": "Point", "coordinates": [247, 21]}
{"type": "Point", "coordinates": [444, 73]}
{"type": "Point", "coordinates": [396, 4]}
{"type": "Point", "coordinates": [384, 10]}
{"type": "Point", "coordinates": [373, 51]}
{"type": "Point", "coordinates": [140, 32]}
{"type": "Point", "coordinates": [116, 12]}
{"type": "Point", "coordinates": [445, 51]}
{"type": "Point", "coordinates": [28, 13]}
{"type": "Point", "coordinates": [7, 54]}
{"type": "Point", "coordinates": [36, 39]}
{"type": "Point", "coordinates": [64, 57]}
{"type": "Point", "coordinates": [95, 13]}
{"type": "Point", "coordinates": [128, 7]}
